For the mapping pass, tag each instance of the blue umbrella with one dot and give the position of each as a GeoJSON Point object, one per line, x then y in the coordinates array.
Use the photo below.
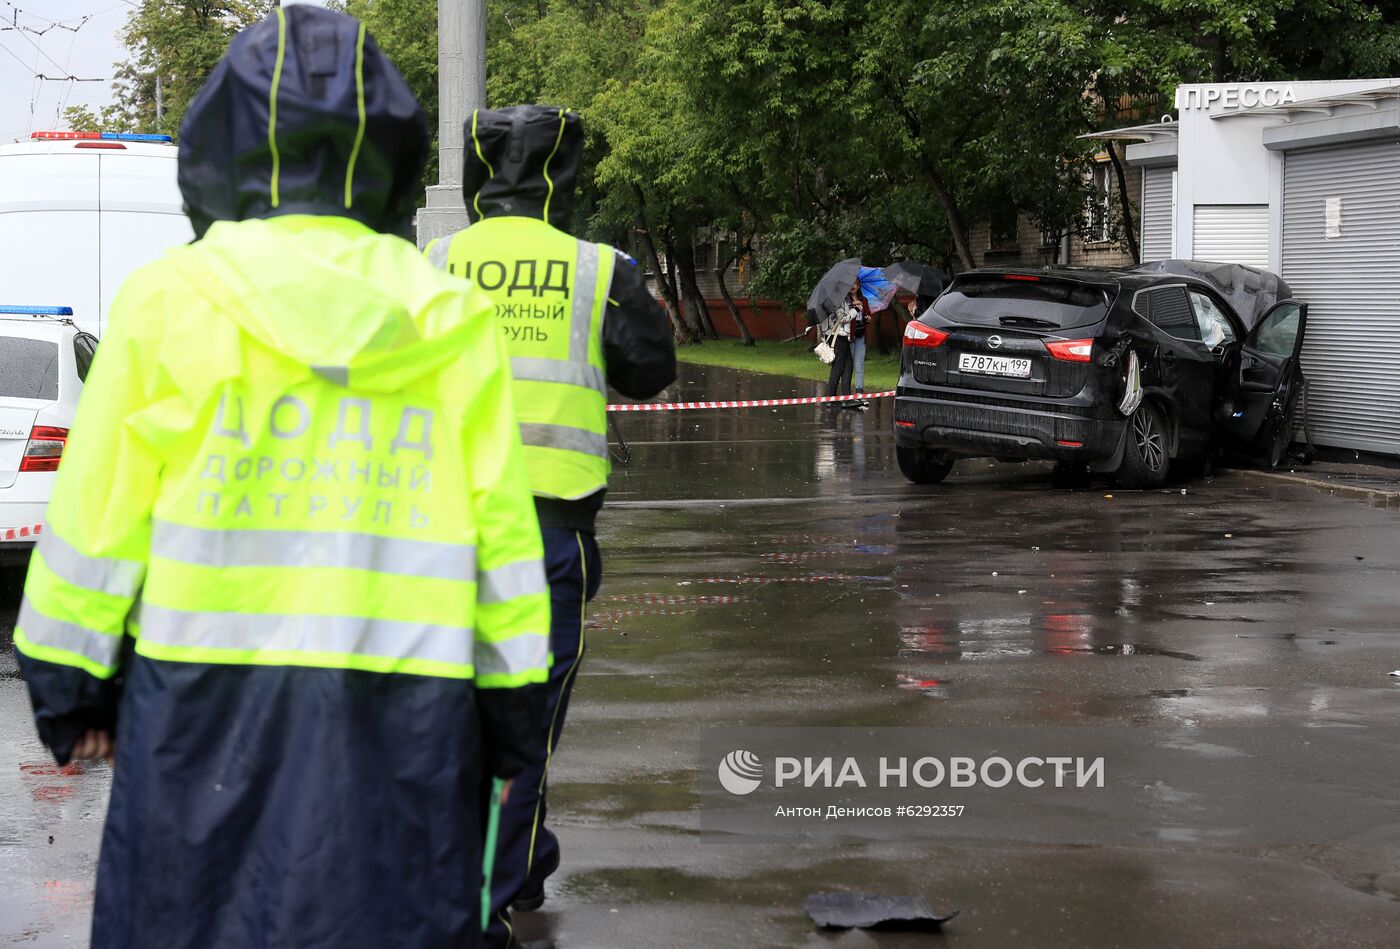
{"type": "Point", "coordinates": [831, 291]}
{"type": "Point", "coordinates": [876, 288]}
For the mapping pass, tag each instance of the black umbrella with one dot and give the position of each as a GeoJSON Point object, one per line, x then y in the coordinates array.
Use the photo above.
{"type": "Point", "coordinates": [831, 290]}
{"type": "Point", "coordinates": [918, 279]}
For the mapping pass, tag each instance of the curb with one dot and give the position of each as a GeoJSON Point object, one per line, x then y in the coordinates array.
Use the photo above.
{"type": "Point", "coordinates": [1389, 500]}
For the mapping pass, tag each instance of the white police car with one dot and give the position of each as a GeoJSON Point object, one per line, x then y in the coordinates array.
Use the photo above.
{"type": "Point", "coordinates": [44, 359]}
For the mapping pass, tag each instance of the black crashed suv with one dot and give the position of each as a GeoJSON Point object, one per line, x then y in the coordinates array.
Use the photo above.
{"type": "Point", "coordinates": [1115, 371]}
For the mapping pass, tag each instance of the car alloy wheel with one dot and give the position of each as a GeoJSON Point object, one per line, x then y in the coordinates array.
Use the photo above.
{"type": "Point", "coordinates": [1149, 439]}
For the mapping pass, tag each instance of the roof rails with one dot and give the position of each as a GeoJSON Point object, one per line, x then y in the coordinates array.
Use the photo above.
{"type": "Point", "coordinates": [105, 136]}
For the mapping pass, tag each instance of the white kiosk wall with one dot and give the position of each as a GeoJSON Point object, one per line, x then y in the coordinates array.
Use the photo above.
{"type": "Point", "coordinates": [1224, 169]}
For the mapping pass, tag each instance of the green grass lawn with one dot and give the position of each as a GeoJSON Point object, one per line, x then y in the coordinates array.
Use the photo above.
{"type": "Point", "coordinates": [787, 359]}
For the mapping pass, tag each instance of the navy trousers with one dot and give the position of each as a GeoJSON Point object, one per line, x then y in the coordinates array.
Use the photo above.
{"type": "Point", "coordinates": [526, 851]}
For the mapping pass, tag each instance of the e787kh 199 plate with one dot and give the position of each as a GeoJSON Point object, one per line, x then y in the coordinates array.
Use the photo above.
{"type": "Point", "coordinates": [994, 365]}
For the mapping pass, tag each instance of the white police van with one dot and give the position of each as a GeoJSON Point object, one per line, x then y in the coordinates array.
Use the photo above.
{"type": "Point", "coordinates": [79, 211]}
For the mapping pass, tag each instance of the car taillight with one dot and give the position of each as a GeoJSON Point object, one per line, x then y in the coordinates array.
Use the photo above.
{"type": "Point", "coordinates": [918, 334]}
{"type": "Point", "coordinates": [45, 448]}
{"type": "Point", "coordinates": [1072, 350]}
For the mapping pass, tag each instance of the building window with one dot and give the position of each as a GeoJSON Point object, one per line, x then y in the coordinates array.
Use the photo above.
{"type": "Point", "coordinates": [702, 255]}
{"type": "Point", "coordinates": [1004, 229]}
{"type": "Point", "coordinates": [1101, 204]}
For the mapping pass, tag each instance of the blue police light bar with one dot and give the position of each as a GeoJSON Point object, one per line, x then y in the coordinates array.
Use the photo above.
{"type": "Point", "coordinates": [136, 137]}
{"type": "Point", "coordinates": [36, 310]}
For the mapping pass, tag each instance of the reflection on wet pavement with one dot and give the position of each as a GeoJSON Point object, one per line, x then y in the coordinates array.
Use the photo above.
{"type": "Point", "coordinates": [771, 567]}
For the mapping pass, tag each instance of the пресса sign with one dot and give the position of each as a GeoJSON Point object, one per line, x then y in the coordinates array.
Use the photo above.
{"type": "Point", "coordinates": [1233, 97]}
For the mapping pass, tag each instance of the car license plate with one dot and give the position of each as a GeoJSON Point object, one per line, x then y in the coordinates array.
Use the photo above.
{"type": "Point", "coordinates": [994, 365]}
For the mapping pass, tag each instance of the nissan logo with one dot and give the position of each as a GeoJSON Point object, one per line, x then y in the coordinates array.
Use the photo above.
{"type": "Point", "coordinates": [994, 342]}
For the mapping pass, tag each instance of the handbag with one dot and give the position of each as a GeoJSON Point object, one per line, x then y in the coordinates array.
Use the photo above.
{"type": "Point", "coordinates": [824, 350]}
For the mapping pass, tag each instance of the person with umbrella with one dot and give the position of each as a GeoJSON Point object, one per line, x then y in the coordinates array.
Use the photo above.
{"type": "Point", "coordinates": [845, 297]}
{"type": "Point", "coordinates": [849, 364]}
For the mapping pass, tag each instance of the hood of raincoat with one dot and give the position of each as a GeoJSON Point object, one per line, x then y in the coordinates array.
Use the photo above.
{"type": "Point", "coordinates": [303, 115]}
{"type": "Point", "coordinates": [353, 306]}
{"type": "Point", "coordinates": [522, 161]}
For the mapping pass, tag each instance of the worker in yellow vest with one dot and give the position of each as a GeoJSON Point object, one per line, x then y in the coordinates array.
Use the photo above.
{"type": "Point", "coordinates": [292, 571]}
{"type": "Point", "coordinates": [576, 317]}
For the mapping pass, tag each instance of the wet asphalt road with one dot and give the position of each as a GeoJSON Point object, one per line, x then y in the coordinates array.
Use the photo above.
{"type": "Point", "coordinates": [771, 567]}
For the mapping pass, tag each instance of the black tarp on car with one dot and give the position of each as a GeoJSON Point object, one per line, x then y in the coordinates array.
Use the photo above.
{"type": "Point", "coordinates": [1251, 291]}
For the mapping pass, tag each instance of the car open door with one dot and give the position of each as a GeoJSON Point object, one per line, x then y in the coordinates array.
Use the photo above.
{"type": "Point", "coordinates": [1269, 382]}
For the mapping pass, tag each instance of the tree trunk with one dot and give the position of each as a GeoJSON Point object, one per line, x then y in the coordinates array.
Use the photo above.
{"type": "Point", "coordinates": [685, 263]}
{"type": "Point", "coordinates": [686, 308]}
{"type": "Point", "coordinates": [950, 210]}
{"type": "Point", "coordinates": [668, 290]}
{"type": "Point", "coordinates": [1129, 230]}
{"type": "Point", "coordinates": [733, 308]}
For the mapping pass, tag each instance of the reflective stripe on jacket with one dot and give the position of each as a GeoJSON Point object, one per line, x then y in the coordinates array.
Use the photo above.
{"type": "Point", "coordinates": [550, 291]}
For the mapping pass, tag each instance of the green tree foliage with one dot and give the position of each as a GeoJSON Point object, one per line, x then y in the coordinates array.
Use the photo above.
{"type": "Point", "coordinates": [172, 46]}
{"type": "Point", "coordinates": [811, 130]}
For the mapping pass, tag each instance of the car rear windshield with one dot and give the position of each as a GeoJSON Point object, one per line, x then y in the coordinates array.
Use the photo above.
{"type": "Point", "coordinates": [1031, 304]}
{"type": "Point", "coordinates": [28, 368]}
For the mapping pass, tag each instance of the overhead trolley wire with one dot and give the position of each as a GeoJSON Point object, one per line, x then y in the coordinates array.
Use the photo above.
{"type": "Point", "coordinates": [56, 63]}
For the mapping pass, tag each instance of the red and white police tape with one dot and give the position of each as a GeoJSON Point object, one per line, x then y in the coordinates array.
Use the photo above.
{"type": "Point", "coordinates": [742, 404]}
{"type": "Point", "coordinates": [21, 533]}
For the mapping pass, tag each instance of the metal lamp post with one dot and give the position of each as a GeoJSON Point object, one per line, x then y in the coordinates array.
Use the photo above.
{"type": "Point", "coordinates": [461, 88]}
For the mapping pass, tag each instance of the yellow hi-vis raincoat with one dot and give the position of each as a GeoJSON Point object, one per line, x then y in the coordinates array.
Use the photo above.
{"type": "Point", "coordinates": [292, 557]}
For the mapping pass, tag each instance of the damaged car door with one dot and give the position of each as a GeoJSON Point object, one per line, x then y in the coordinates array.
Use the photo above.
{"type": "Point", "coordinates": [1269, 381]}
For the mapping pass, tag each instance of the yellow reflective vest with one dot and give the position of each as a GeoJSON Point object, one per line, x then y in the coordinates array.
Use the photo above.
{"type": "Point", "coordinates": [550, 291]}
{"type": "Point", "coordinates": [322, 470]}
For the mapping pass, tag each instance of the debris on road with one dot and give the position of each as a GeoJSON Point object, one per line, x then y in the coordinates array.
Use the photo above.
{"type": "Point", "coordinates": [1396, 673]}
{"type": "Point", "coordinates": [872, 911]}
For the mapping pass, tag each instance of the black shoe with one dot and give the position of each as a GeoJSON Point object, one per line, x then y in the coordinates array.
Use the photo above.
{"type": "Point", "coordinates": [529, 902]}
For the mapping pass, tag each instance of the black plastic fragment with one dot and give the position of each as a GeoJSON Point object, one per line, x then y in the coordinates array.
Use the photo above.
{"type": "Point", "coordinates": [872, 911]}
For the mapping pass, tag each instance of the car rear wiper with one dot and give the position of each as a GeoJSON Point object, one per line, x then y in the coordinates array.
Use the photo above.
{"type": "Point", "coordinates": [1028, 321]}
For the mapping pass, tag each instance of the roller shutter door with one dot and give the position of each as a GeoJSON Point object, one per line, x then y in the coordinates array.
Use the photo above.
{"type": "Point", "coordinates": [1231, 234]}
{"type": "Point", "coordinates": [1351, 282]}
{"type": "Point", "coordinates": [1158, 213]}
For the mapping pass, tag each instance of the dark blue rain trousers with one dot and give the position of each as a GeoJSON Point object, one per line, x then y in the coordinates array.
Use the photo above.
{"type": "Point", "coordinates": [267, 806]}
{"type": "Point", "coordinates": [527, 852]}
